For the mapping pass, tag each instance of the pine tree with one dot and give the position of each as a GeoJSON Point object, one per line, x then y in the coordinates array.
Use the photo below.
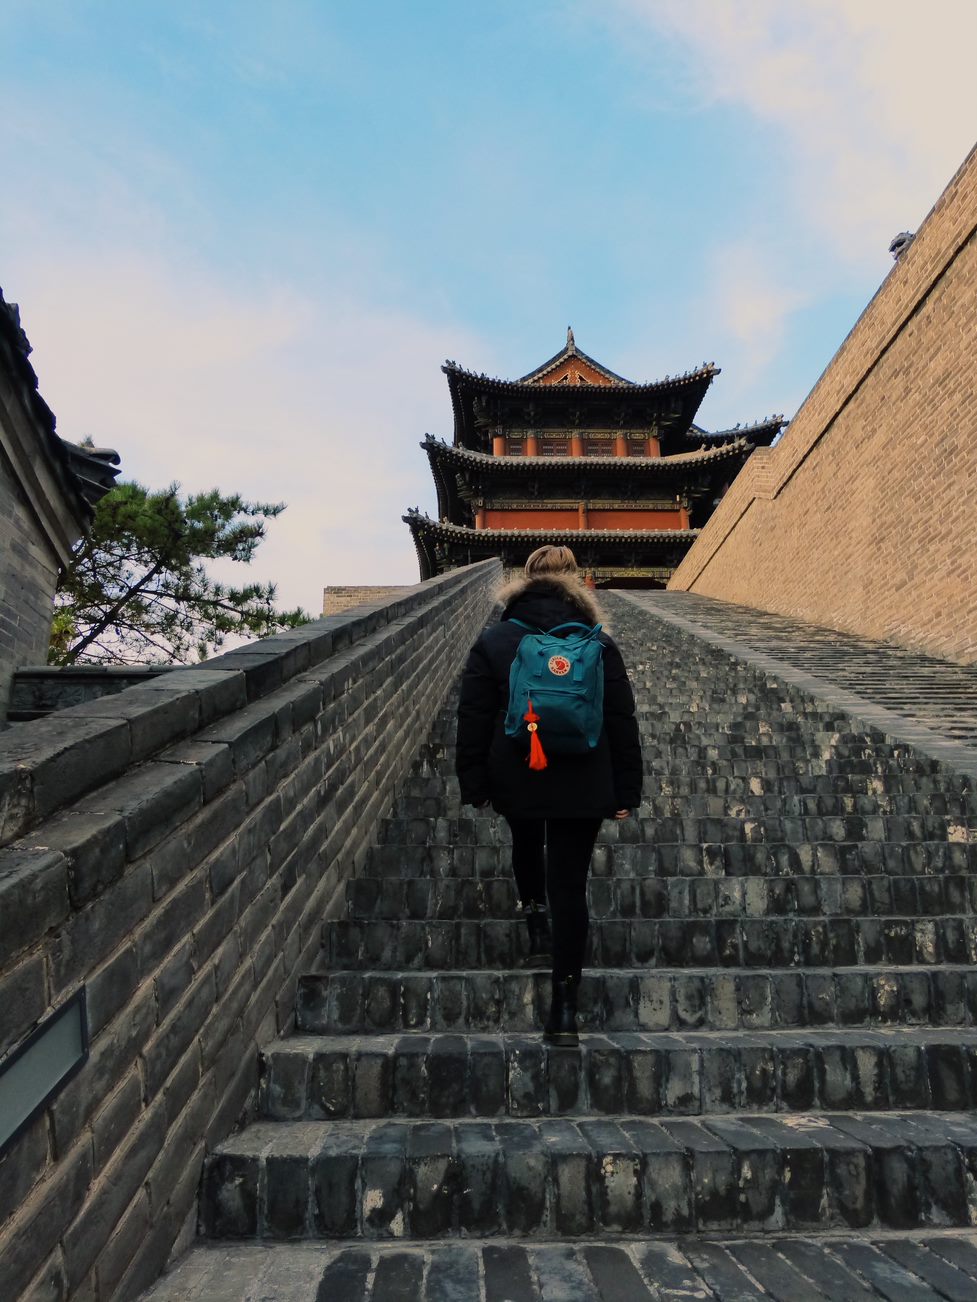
{"type": "Point", "coordinates": [138, 591]}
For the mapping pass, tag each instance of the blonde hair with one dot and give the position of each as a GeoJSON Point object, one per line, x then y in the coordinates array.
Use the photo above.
{"type": "Point", "coordinates": [548, 560]}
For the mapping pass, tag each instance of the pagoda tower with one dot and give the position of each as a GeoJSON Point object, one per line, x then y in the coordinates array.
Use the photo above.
{"type": "Point", "coordinates": [574, 454]}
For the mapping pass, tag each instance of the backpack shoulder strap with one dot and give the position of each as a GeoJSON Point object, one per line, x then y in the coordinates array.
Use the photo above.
{"type": "Point", "coordinates": [574, 624]}
{"type": "Point", "coordinates": [522, 624]}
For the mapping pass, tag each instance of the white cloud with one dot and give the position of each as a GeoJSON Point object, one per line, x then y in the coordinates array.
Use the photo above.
{"type": "Point", "coordinates": [865, 109]}
{"type": "Point", "coordinates": [319, 402]}
{"type": "Point", "coordinates": [875, 100]}
{"type": "Point", "coordinates": [750, 305]}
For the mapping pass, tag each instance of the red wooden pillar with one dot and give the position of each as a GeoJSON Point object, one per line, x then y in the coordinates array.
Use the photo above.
{"type": "Point", "coordinates": [654, 447]}
{"type": "Point", "coordinates": [532, 445]}
{"type": "Point", "coordinates": [576, 445]}
{"type": "Point", "coordinates": [620, 445]}
{"type": "Point", "coordinates": [498, 445]}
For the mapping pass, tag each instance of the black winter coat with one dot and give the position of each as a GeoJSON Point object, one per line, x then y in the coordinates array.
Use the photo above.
{"type": "Point", "coordinates": [493, 767]}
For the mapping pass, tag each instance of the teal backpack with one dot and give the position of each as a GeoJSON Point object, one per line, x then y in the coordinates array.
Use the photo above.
{"type": "Point", "coordinates": [556, 690]}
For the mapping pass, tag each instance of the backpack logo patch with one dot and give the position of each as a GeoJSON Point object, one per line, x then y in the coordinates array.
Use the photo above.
{"type": "Point", "coordinates": [558, 665]}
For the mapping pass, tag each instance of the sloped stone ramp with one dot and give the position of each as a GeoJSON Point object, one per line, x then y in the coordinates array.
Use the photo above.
{"type": "Point", "coordinates": [775, 1093]}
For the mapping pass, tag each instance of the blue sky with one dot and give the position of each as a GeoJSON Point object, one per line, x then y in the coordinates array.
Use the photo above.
{"type": "Point", "coordinates": [245, 236]}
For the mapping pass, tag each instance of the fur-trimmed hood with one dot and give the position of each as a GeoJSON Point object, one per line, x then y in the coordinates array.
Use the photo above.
{"type": "Point", "coordinates": [563, 586]}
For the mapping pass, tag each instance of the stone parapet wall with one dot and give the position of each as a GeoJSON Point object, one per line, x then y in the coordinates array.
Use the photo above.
{"type": "Point", "coordinates": [862, 517]}
{"type": "Point", "coordinates": [39, 690]}
{"type": "Point", "coordinates": [337, 599]}
{"type": "Point", "coordinates": [175, 848]}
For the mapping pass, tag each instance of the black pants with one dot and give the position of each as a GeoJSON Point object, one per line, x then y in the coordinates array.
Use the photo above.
{"type": "Point", "coordinates": [551, 859]}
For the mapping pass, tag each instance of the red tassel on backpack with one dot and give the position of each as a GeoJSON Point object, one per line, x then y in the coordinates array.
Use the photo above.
{"type": "Point", "coordinates": [537, 756]}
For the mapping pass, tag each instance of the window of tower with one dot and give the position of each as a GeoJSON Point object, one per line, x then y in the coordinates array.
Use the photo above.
{"type": "Point", "coordinates": [554, 447]}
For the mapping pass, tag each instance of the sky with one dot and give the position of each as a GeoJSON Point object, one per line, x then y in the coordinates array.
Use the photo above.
{"type": "Point", "coordinates": [244, 237]}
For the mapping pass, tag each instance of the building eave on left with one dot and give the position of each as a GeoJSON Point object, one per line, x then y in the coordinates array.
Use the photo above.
{"type": "Point", "coordinates": [61, 481]}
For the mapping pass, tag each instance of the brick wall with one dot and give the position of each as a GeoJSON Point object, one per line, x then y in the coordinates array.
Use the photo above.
{"type": "Point", "coordinates": [337, 599]}
{"type": "Point", "coordinates": [862, 518]}
{"type": "Point", "coordinates": [28, 577]}
{"type": "Point", "coordinates": [175, 847]}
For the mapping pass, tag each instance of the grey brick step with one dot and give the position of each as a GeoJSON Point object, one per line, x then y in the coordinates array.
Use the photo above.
{"type": "Point", "coordinates": [428, 796]}
{"type": "Point", "coordinates": [688, 703]}
{"type": "Point", "coordinates": [910, 1266]}
{"type": "Point", "coordinates": [775, 759]}
{"type": "Point", "coordinates": [736, 859]}
{"type": "Point", "coordinates": [689, 697]}
{"type": "Point", "coordinates": [618, 898]}
{"type": "Point", "coordinates": [672, 714]}
{"type": "Point", "coordinates": [475, 830]}
{"type": "Point", "coordinates": [452, 1075]}
{"type": "Point", "coordinates": [349, 1002]}
{"type": "Point", "coordinates": [430, 803]}
{"type": "Point", "coordinates": [386, 1179]}
{"type": "Point", "coordinates": [499, 943]}
{"type": "Point", "coordinates": [666, 772]}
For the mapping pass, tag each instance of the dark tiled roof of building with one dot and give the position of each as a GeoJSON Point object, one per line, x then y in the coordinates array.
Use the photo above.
{"type": "Point", "coordinates": [481, 401]}
{"type": "Point", "coordinates": [452, 532]}
{"type": "Point", "coordinates": [760, 432]}
{"type": "Point", "coordinates": [484, 461]}
{"type": "Point", "coordinates": [568, 352]}
{"type": "Point", "coordinates": [85, 474]}
{"type": "Point", "coordinates": [490, 383]}
{"type": "Point", "coordinates": [94, 470]}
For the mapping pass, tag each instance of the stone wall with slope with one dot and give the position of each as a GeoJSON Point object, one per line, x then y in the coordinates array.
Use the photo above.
{"type": "Point", "coordinates": [862, 518]}
{"type": "Point", "coordinates": [174, 849]}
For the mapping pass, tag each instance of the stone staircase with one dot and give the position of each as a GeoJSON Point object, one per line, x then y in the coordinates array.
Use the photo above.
{"type": "Point", "coordinates": [779, 1068]}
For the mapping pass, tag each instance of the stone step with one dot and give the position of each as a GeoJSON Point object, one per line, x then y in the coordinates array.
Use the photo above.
{"type": "Point", "coordinates": [920, 1266]}
{"type": "Point", "coordinates": [668, 743]}
{"type": "Point", "coordinates": [453, 1075]}
{"type": "Point", "coordinates": [897, 830]}
{"type": "Point", "coordinates": [785, 942]}
{"type": "Point", "coordinates": [390, 1179]}
{"type": "Point", "coordinates": [618, 898]}
{"type": "Point", "coordinates": [689, 696]}
{"type": "Point", "coordinates": [430, 802]}
{"type": "Point", "coordinates": [619, 999]}
{"type": "Point", "coordinates": [686, 705]}
{"type": "Point", "coordinates": [733, 859]}
{"type": "Point", "coordinates": [688, 700]}
{"type": "Point", "coordinates": [436, 797]}
{"type": "Point", "coordinates": [775, 759]}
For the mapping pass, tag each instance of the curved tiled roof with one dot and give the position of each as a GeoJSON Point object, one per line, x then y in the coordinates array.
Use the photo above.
{"type": "Point", "coordinates": [457, 532]}
{"type": "Point", "coordinates": [441, 545]}
{"type": "Point", "coordinates": [758, 431]}
{"type": "Point", "coordinates": [84, 474]}
{"type": "Point", "coordinates": [488, 382]}
{"type": "Point", "coordinates": [648, 465]}
{"type": "Point", "coordinates": [672, 401]}
{"type": "Point", "coordinates": [569, 352]}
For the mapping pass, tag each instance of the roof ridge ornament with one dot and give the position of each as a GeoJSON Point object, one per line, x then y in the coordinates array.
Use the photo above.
{"type": "Point", "coordinates": [571, 342]}
{"type": "Point", "coordinates": [901, 243]}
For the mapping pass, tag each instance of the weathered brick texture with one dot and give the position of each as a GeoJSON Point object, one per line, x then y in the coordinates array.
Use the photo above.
{"type": "Point", "coordinates": [175, 848]}
{"type": "Point", "coordinates": [337, 599]}
{"type": "Point", "coordinates": [862, 518]}
{"type": "Point", "coordinates": [28, 577]}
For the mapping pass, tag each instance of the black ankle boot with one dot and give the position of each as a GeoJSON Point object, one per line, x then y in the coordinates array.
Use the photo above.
{"type": "Point", "coordinates": [561, 1027]}
{"type": "Point", "coordinates": [538, 926]}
